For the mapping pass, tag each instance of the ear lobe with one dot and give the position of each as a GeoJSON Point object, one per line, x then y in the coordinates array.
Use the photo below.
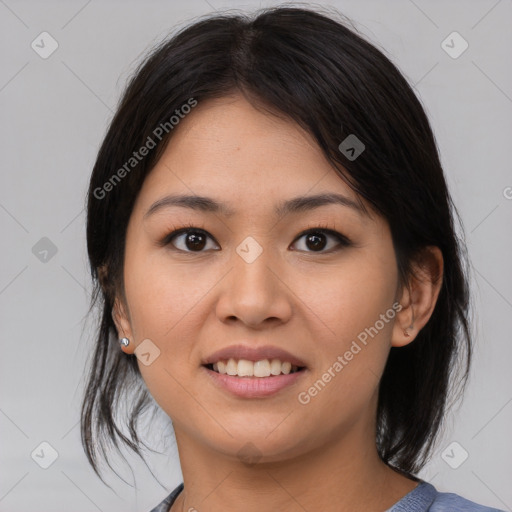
{"type": "Point", "coordinates": [420, 297]}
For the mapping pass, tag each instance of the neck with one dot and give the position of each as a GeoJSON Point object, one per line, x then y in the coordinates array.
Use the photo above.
{"type": "Point", "coordinates": [344, 473]}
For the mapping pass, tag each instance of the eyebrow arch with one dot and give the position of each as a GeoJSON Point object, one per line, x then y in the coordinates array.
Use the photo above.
{"type": "Point", "coordinates": [295, 205]}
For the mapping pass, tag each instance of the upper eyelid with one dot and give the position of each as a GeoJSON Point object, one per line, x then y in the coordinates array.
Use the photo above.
{"type": "Point", "coordinates": [329, 231]}
{"type": "Point", "coordinates": [185, 229]}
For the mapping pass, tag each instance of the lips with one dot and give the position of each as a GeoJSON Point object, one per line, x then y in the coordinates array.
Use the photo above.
{"type": "Point", "coordinates": [253, 354]}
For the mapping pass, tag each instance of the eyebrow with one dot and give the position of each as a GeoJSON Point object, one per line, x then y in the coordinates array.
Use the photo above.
{"type": "Point", "coordinates": [295, 205]}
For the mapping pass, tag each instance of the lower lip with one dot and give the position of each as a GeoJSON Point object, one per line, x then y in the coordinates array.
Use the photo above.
{"type": "Point", "coordinates": [253, 387]}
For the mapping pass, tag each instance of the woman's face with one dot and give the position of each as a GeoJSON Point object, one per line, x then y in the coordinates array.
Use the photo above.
{"type": "Point", "coordinates": [251, 278]}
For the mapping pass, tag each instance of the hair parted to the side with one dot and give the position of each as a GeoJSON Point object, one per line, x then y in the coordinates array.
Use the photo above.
{"type": "Point", "coordinates": [309, 67]}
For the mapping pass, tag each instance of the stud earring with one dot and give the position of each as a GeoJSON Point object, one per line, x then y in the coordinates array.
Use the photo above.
{"type": "Point", "coordinates": [124, 342]}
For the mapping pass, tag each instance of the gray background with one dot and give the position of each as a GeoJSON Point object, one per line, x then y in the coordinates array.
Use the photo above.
{"type": "Point", "coordinates": [54, 114]}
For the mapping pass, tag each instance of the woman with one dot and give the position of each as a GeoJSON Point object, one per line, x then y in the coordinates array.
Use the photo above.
{"type": "Point", "coordinates": [272, 240]}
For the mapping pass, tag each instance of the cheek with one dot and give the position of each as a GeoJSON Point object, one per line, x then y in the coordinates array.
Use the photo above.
{"type": "Point", "coordinates": [350, 297]}
{"type": "Point", "coordinates": [351, 305]}
{"type": "Point", "coordinates": [163, 295]}
{"type": "Point", "coordinates": [167, 305]}
{"type": "Point", "coordinates": [351, 336]}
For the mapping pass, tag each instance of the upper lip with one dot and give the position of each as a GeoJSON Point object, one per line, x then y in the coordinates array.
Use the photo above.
{"type": "Point", "coordinates": [253, 354]}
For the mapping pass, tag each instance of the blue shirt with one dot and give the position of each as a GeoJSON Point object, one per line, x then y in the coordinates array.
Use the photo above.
{"type": "Point", "coordinates": [423, 498]}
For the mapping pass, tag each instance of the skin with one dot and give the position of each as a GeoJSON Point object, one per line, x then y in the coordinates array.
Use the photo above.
{"type": "Point", "coordinates": [311, 302]}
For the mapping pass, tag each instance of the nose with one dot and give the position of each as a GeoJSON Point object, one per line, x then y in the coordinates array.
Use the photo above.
{"type": "Point", "coordinates": [255, 292]}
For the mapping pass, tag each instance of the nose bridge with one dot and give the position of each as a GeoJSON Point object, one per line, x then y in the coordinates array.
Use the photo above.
{"type": "Point", "coordinates": [254, 292]}
{"type": "Point", "coordinates": [252, 262]}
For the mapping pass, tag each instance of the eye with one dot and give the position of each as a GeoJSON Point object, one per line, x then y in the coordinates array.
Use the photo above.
{"type": "Point", "coordinates": [315, 239]}
{"type": "Point", "coordinates": [192, 239]}
{"type": "Point", "coordinates": [195, 239]}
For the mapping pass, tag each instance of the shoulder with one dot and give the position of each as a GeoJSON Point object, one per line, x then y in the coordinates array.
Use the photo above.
{"type": "Point", "coordinates": [426, 498]}
{"type": "Point", "coordinates": [450, 502]}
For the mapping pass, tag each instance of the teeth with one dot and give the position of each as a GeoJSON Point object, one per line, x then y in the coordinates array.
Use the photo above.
{"type": "Point", "coordinates": [275, 367]}
{"type": "Point", "coordinates": [245, 368]}
{"type": "Point", "coordinates": [262, 368]}
{"type": "Point", "coordinates": [231, 367]}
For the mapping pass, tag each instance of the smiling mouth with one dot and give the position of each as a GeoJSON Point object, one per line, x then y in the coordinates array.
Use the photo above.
{"type": "Point", "coordinates": [250, 369]}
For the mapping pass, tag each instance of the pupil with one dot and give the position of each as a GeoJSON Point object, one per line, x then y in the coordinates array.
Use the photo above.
{"type": "Point", "coordinates": [195, 241]}
{"type": "Point", "coordinates": [315, 238]}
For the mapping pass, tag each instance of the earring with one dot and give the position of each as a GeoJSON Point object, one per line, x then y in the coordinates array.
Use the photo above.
{"type": "Point", "coordinates": [124, 342]}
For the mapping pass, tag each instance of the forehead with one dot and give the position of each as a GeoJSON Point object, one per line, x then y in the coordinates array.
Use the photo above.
{"type": "Point", "coordinates": [228, 157]}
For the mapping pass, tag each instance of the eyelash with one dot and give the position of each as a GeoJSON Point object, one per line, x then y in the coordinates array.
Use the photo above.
{"type": "Point", "coordinates": [342, 239]}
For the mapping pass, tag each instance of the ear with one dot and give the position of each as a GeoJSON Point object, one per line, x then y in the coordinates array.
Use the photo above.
{"type": "Point", "coordinates": [120, 314]}
{"type": "Point", "coordinates": [123, 325]}
{"type": "Point", "coordinates": [419, 297]}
